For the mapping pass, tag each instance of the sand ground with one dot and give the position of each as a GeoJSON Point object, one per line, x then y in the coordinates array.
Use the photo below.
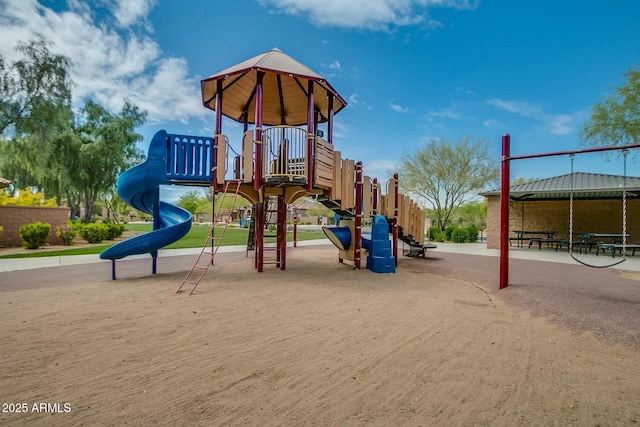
{"type": "Point", "coordinates": [319, 344]}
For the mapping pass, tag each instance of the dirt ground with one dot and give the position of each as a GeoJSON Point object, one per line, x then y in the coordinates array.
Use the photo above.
{"type": "Point", "coordinates": [317, 344]}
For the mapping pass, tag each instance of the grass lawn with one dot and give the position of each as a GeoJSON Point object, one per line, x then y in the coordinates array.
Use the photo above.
{"type": "Point", "coordinates": [194, 239]}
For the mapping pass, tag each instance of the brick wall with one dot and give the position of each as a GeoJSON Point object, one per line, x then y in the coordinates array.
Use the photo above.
{"type": "Point", "coordinates": [596, 216]}
{"type": "Point", "coordinates": [12, 217]}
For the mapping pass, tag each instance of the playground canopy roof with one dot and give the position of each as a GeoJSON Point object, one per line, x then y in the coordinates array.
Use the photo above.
{"type": "Point", "coordinates": [585, 186]}
{"type": "Point", "coordinates": [4, 183]}
{"type": "Point", "coordinates": [284, 92]}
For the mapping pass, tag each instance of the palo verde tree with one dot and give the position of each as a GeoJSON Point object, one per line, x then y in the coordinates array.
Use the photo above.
{"type": "Point", "coordinates": [35, 107]}
{"type": "Point", "coordinates": [99, 147]}
{"type": "Point", "coordinates": [616, 120]}
{"type": "Point", "coordinates": [447, 173]}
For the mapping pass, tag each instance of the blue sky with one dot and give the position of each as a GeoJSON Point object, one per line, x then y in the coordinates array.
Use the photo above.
{"type": "Point", "coordinates": [411, 70]}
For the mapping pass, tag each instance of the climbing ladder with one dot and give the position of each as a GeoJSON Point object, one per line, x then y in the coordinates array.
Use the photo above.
{"type": "Point", "coordinates": [251, 238]}
{"type": "Point", "coordinates": [271, 216]}
{"type": "Point", "coordinates": [212, 242]}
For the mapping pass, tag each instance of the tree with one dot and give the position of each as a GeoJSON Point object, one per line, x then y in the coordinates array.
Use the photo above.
{"type": "Point", "coordinates": [448, 172]}
{"type": "Point", "coordinates": [193, 201]}
{"type": "Point", "coordinates": [473, 212]}
{"type": "Point", "coordinates": [114, 205]}
{"type": "Point", "coordinates": [616, 120]}
{"type": "Point", "coordinates": [97, 149]}
{"type": "Point", "coordinates": [35, 106]}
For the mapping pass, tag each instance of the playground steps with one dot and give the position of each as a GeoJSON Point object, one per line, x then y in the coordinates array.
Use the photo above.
{"type": "Point", "coordinates": [212, 242]}
{"type": "Point", "coordinates": [334, 206]}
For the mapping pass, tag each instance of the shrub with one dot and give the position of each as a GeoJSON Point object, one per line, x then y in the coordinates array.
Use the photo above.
{"type": "Point", "coordinates": [94, 233]}
{"type": "Point", "coordinates": [439, 236]}
{"type": "Point", "coordinates": [460, 235]}
{"type": "Point", "coordinates": [433, 231]}
{"type": "Point", "coordinates": [34, 235]}
{"type": "Point", "coordinates": [66, 233]}
{"type": "Point", "coordinates": [448, 232]}
{"type": "Point", "coordinates": [473, 234]}
{"type": "Point", "coordinates": [1, 228]}
{"type": "Point", "coordinates": [114, 230]}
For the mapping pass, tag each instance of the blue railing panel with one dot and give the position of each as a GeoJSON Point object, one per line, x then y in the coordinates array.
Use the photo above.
{"type": "Point", "coordinates": [189, 158]}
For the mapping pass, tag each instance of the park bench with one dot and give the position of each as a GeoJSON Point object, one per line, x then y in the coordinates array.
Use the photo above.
{"type": "Point", "coordinates": [539, 241]}
{"type": "Point", "coordinates": [613, 246]}
{"type": "Point", "coordinates": [416, 251]}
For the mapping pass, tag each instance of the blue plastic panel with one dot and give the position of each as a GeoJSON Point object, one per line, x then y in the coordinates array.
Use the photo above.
{"type": "Point", "coordinates": [189, 158]}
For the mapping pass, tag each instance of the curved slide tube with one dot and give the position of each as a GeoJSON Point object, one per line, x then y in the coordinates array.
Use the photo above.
{"type": "Point", "coordinates": [139, 188]}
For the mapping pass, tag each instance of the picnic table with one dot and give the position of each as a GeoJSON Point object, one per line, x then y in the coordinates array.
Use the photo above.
{"type": "Point", "coordinates": [585, 239]}
{"type": "Point", "coordinates": [520, 236]}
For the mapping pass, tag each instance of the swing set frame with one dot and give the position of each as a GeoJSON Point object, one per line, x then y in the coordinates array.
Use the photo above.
{"type": "Point", "coordinates": [505, 192]}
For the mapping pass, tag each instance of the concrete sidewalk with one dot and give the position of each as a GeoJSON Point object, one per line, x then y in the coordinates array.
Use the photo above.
{"type": "Point", "coordinates": [546, 254]}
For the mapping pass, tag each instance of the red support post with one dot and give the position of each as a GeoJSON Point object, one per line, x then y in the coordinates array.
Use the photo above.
{"type": "Point", "coordinates": [374, 205]}
{"type": "Point", "coordinates": [357, 243]}
{"type": "Point", "coordinates": [259, 236]}
{"type": "Point", "coordinates": [330, 119]}
{"type": "Point", "coordinates": [257, 161]}
{"type": "Point", "coordinates": [504, 212]}
{"type": "Point", "coordinates": [218, 131]}
{"type": "Point", "coordinates": [282, 231]}
{"type": "Point", "coordinates": [311, 108]}
{"type": "Point", "coordinates": [395, 218]}
{"type": "Point", "coordinates": [295, 231]}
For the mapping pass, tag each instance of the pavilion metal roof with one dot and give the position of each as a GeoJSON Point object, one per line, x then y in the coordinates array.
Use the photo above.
{"type": "Point", "coordinates": [585, 186]}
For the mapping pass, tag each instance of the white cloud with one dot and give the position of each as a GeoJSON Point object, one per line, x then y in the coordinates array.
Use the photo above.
{"type": "Point", "coordinates": [380, 168]}
{"type": "Point", "coordinates": [335, 65]}
{"type": "Point", "coordinates": [561, 124]}
{"type": "Point", "coordinates": [129, 12]}
{"type": "Point", "coordinates": [398, 108]}
{"type": "Point", "coordinates": [368, 14]}
{"type": "Point", "coordinates": [522, 108]}
{"type": "Point", "coordinates": [493, 124]}
{"type": "Point", "coordinates": [109, 63]}
{"type": "Point", "coordinates": [446, 113]}
{"type": "Point", "coordinates": [556, 124]}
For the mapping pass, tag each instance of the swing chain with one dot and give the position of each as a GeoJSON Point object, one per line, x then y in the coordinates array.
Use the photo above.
{"type": "Point", "coordinates": [572, 156]}
{"type": "Point", "coordinates": [624, 204]}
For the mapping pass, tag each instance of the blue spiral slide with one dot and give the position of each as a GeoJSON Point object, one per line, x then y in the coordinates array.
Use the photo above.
{"type": "Point", "coordinates": [139, 187]}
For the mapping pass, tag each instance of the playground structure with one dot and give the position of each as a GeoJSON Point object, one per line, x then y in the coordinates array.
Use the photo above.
{"type": "Point", "coordinates": [283, 157]}
{"type": "Point", "coordinates": [505, 198]}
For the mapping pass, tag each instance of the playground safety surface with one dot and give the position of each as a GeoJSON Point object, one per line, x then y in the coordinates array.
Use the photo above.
{"type": "Point", "coordinates": [321, 343]}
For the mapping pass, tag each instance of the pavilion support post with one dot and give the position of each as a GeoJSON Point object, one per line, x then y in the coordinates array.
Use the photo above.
{"type": "Point", "coordinates": [395, 218]}
{"type": "Point", "coordinates": [504, 212]}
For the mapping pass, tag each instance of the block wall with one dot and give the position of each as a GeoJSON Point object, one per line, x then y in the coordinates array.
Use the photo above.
{"type": "Point", "coordinates": [589, 216]}
{"type": "Point", "coordinates": [12, 217]}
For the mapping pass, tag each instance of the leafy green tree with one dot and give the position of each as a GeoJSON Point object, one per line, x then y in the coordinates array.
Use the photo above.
{"type": "Point", "coordinates": [616, 120]}
{"type": "Point", "coordinates": [193, 201]}
{"type": "Point", "coordinates": [447, 173]}
{"type": "Point", "coordinates": [35, 107]}
{"type": "Point", "coordinates": [473, 212]}
{"type": "Point", "coordinates": [100, 147]}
